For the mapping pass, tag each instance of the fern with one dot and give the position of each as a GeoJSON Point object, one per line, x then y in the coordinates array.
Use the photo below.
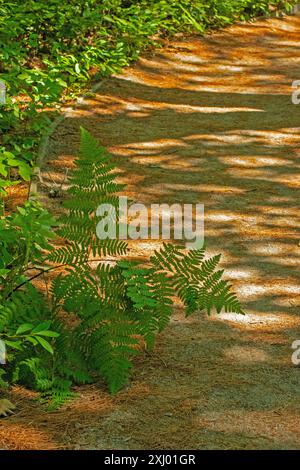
{"type": "Point", "coordinates": [195, 280]}
{"type": "Point", "coordinates": [119, 305]}
{"type": "Point", "coordinates": [91, 183]}
{"type": "Point", "coordinates": [150, 300]}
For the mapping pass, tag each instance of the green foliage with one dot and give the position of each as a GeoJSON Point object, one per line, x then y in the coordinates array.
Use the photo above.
{"type": "Point", "coordinates": [24, 236]}
{"type": "Point", "coordinates": [121, 305]}
{"type": "Point", "coordinates": [34, 337]}
{"type": "Point", "coordinates": [92, 183]}
{"type": "Point", "coordinates": [23, 328]}
{"type": "Point", "coordinates": [117, 307]}
{"type": "Point", "coordinates": [50, 50]}
{"type": "Point", "coordinates": [195, 280]}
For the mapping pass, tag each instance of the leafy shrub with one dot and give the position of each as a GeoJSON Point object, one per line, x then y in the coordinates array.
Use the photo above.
{"type": "Point", "coordinates": [23, 237]}
{"type": "Point", "coordinates": [38, 346]}
{"type": "Point", "coordinates": [25, 319]}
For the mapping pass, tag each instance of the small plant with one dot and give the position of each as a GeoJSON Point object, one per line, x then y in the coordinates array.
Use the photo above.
{"type": "Point", "coordinates": [25, 320]}
{"type": "Point", "coordinates": [117, 306]}
{"type": "Point", "coordinates": [120, 304]}
{"type": "Point", "coordinates": [37, 345]}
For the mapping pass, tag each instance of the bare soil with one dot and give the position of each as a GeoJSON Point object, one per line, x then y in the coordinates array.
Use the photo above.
{"type": "Point", "coordinates": [206, 120]}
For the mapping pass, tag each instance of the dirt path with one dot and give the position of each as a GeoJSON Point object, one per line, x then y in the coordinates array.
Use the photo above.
{"type": "Point", "coordinates": [203, 120]}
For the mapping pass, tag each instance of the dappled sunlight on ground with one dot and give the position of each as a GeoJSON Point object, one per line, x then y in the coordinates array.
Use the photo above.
{"type": "Point", "coordinates": [206, 120]}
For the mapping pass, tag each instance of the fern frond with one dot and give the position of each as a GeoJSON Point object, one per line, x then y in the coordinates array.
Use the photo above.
{"type": "Point", "coordinates": [195, 280]}
{"type": "Point", "coordinates": [118, 305]}
{"type": "Point", "coordinates": [114, 346]}
{"type": "Point", "coordinates": [70, 254]}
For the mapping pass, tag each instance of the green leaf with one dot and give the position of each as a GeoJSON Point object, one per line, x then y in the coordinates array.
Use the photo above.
{"type": "Point", "coordinates": [47, 346]}
{"type": "Point", "coordinates": [32, 340]}
{"type": "Point", "coordinates": [41, 327]}
{"type": "Point", "coordinates": [25, 171]}
{"type": "Point", "coordinates": [23, 328]}
{"type": "Point", "coordinates": [49, 333]}
{"type": "Point", "coordinates": [14, 344]}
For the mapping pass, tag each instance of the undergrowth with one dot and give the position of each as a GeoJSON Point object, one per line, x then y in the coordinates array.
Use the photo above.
{"type": "Point", "coordinates": [50, 51]}
{"type": "Point", "coordinates": [116, 306]}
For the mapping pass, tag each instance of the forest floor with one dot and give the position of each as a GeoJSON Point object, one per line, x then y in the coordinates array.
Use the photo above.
{"type": "Point", "coordinates": [202, 120]}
